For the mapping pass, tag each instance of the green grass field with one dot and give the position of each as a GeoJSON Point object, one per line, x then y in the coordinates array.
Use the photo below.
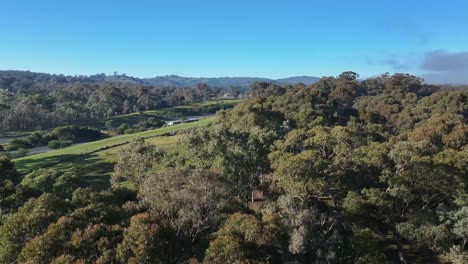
{"type": "Point", "coordinates": [96, 159]}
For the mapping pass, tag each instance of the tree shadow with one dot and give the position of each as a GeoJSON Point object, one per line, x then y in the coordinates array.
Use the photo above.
{"type": "Point", "coordinates": [93, 169]}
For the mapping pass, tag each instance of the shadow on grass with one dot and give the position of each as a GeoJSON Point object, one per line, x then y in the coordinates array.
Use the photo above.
{"type": "Point", "coordinates": [25, 165]}
{"type": "Point", "coordinates": [94, 170]}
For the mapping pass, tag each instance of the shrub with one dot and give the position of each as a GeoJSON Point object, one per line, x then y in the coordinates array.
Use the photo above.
{"type": "Point", "coordinates": [151, 123]}
{"type": "Point", "coordinates": [130, 131]}
{"type": "Point", "coordinates": [60, 183]}
{"type": "Point", "coordinates": [16, 144]}
{"type": "Point", "coordinates": [36, 139]}
{"type": "Point", "coordinates": [121, 129]}
{"type": "Point", "coordinates": [18, 153]}
{"type": "Point", "coordinates": [58, 144]}
{"type": "Point", "coordinates": [75, 134]}
{"type": "Point", "coordinates": [111, 124]}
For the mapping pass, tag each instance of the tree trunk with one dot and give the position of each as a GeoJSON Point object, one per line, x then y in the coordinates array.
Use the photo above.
{"type": "Point", "coordinates": [401, 253]}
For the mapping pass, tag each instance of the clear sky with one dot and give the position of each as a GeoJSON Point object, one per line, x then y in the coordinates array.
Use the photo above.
{"type": "Point", "coordinates": [236, 38]}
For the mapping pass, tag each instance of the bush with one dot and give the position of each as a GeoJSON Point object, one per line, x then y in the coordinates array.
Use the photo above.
{"type": "Point", "coordinates": [36, 139]}
{"type": "Point", "coordinates": [130, 131]}
{"type": "Point", "coordinates": [18, 153]}
{"type": "Point", "coordinates": [58, 144]}
{"type": "Point", "coordinates": [75, 134]}
{"type": "Point", "coordinates": [48, 137]}
{"type": "Point", "coordinates": [2, 148]}
{"type": "Point", "coordinates": [121, 129]}
{"type": "Point", "coordinates": [61, 184]}
{"type": "Point", "coordinates": [16, 144]}
{"type": "Point", "coordinates": [151, 123]}
{"type": "Point", "coordinates": [111, 124]}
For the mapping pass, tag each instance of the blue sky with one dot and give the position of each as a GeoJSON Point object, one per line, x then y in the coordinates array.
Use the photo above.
{"type": "Point", "coordinates": [236, 38]}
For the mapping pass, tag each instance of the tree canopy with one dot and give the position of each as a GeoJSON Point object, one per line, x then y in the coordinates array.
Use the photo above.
{"type": "Point", "coordinates": [340, 171]}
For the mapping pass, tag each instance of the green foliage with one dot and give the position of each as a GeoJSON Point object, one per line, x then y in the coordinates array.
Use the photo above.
{"type": "Point", "coordinates": [75, 134]}
{"type": "Point", "coordinates": [145, 125]}
{"type": "Point", "coordinates": [53, 181]}
{"type": "Point", "coordinates": [60, 137]}
{"type": "Point", "coordinates": [16, 144]}
{"type": "Point", "coordinates": [36, 139]}
{"type": "Point", "coordinates": [243, 238]}
{"type": "Point", "coordinates": [239, 141]}
{"type": "Point", "coordinates": [44, 247]}
{"type": "Point", "coordinates": [190, 202]}
{"type": "Point", "coordinates": [7, 170]}
{"type": "Point", "coordinates": [265, 89]}
{"type": "Point", "coordinates": [59, 144]}
{"type": "Point", "coordinates": [110, 124]}
{"type": "Point", "coordinates": [459, 219]}
{"type": "Point", "coordinates": [365, 247]}
{"type": "Point", "coordinates": [96, 240]}
{"type": "Point", "coordinates": [89, 232]}
{"type": "Point", "coordinates": [9, 179]}
{"type": "Point", "coordinates": [135, 162]}
{"type": "Point", "coordinates": [30, 220]}
{"type": "Point", "coordinates": [456, 255]}
{"type": "Point", "coordinates": [142, 242]}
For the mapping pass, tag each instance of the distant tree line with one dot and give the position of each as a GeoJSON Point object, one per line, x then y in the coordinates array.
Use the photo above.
{"type": "Point", "coordinates": [34, 101]}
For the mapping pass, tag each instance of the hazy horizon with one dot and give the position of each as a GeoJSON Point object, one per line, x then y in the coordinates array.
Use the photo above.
{"type": "Point", "coordinates": [220, 77]}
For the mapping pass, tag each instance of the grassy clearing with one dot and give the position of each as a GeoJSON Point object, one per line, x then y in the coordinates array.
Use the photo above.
{"type": "Point", "coordinates": [230, 101]}
{"type": "Point", "coordinates": [212, 102]}
{"type": "Point", "coordinates": [88, 152]}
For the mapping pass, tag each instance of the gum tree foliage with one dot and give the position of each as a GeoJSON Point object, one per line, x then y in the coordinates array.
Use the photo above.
{"type": "Point", "coordinates": [347, 146]}
{"type": "Point", "coordinates": [239, 141]}
{"type": "Point", "coordinates": [142, 242]}
{"type": "Point", "coordinates": [9, 179]}
{"type": "Point", "coordinates": [189, 202]}
{"type": "Point", "coordinates": [135, 162]}
{"type": "Point", "coordinates": [243, 238]}
{"type": "Point", "coordinates": [62, 184]}
{"type": "Point", "coordinates": [30, 221]}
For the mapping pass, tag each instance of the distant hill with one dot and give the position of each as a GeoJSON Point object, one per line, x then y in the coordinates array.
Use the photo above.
{"type": "Point", "coordinates": [174, 80]}
{"type": "Point", "coordinates": [299, 79]}
{"type": "Point", "coordinates": [223, 82]}
{"type": "Point", "coordinates": [29, 79]}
